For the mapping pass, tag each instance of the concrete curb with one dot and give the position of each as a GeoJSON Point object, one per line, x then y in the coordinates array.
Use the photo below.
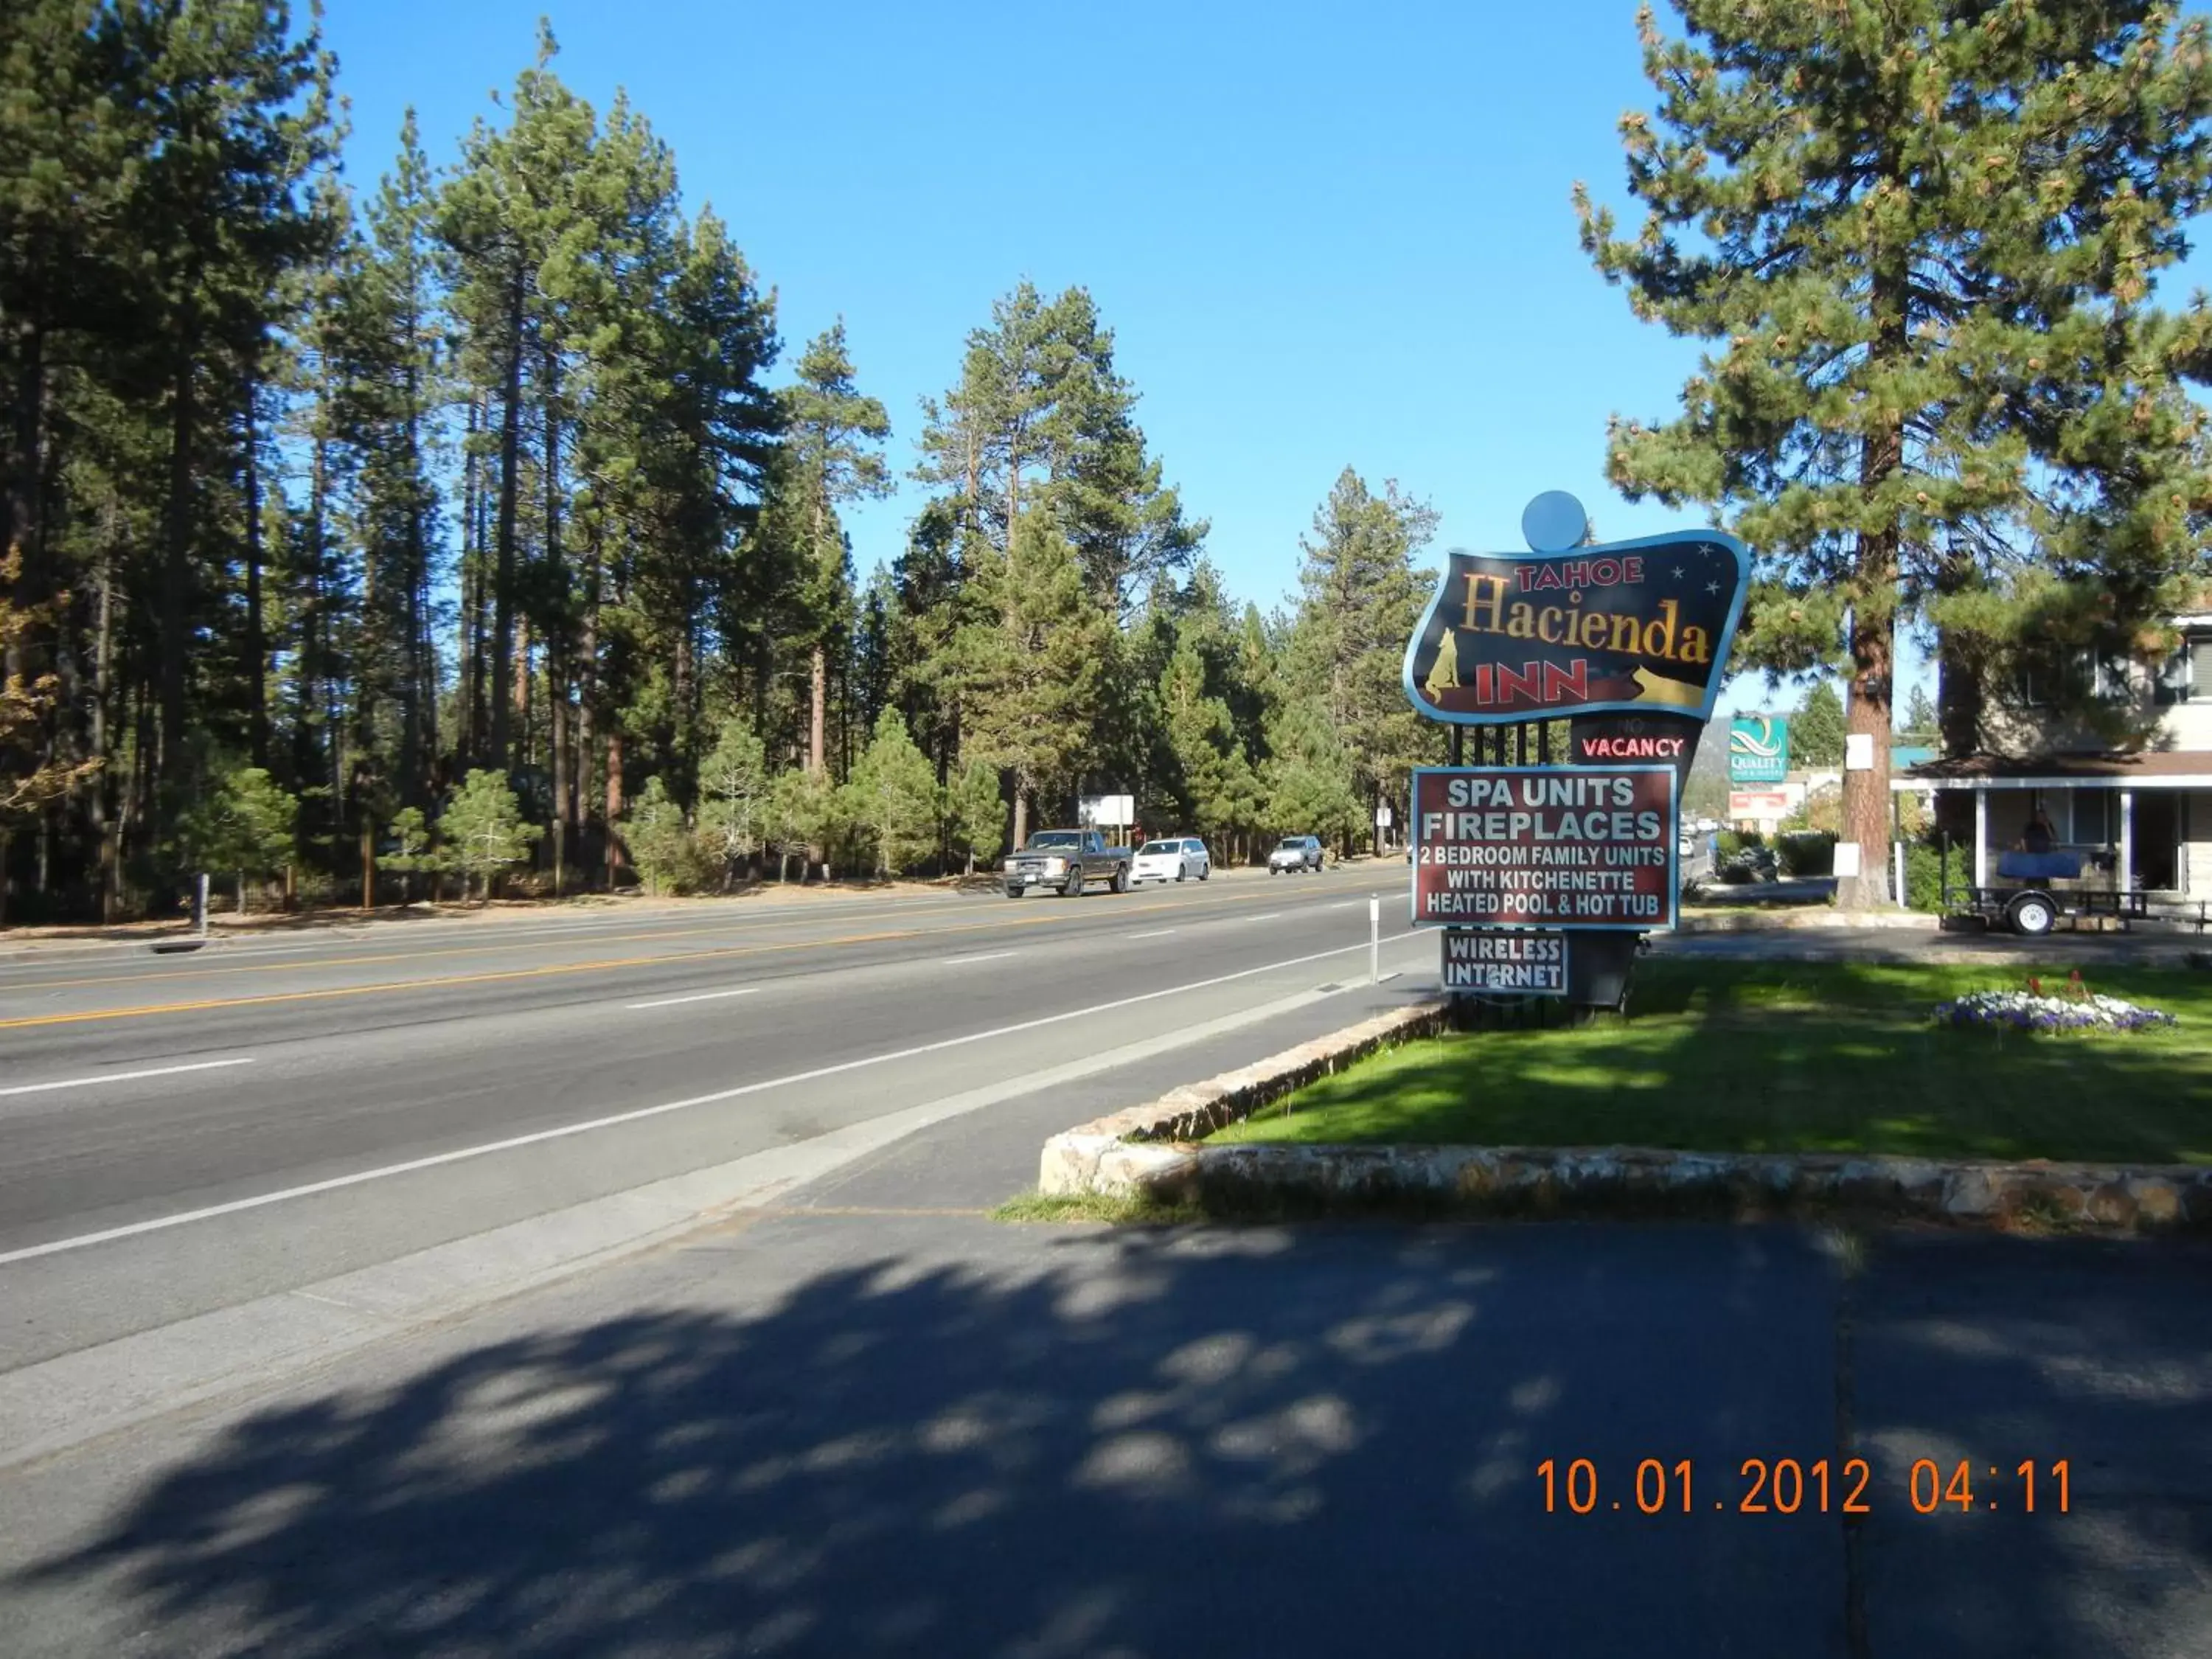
{"type": "Point", "coordinates": [1149, 1151]}
{"type": "Point", "coordinates": [1753, 922]}
{"type": "Point", "coordinates": [1124, 1153]}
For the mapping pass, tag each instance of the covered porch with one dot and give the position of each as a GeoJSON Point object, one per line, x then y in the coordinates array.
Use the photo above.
{"type": "Point", "coordinates": [2139, 823]}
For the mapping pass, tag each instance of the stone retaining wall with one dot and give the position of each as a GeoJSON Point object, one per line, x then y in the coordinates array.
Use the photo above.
{"type": "Point", "coordinates": [1149, 1150]}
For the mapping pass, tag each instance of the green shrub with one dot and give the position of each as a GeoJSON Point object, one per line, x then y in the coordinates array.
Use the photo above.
{"type": "Point", "coordinates": [1924, 878]}
{"type": "Point", "coordinates": [1806, 852]}
{"type": "Point", "coordinates": [663, 848]}
{"type": "Point", "coordinates": [1733, 841]}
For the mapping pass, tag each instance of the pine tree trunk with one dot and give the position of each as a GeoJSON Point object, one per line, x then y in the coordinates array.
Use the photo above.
{"type": "Point", "coordinates": [256, 640]}
{"type": "Point", "coordinates": [614, 807]}
{"type": "Point", "coordinates": [471, 737]}
{"type": "Point", "coordinates": [1866, 804]}
{"type": "Point", "coordinates": [818, 731]}
{"type": "Point", "coordinates": [418, 695]}
{"type": "Point", "coordinates": [176, 564]}
{"type": "Point", "coordinates": [556, 628]}
{"type": "Point", "coordinates": [587, 658]}
{"type": "Point", "coordinates": [103, 671]}
{"type": "Point", "coordinates": [519, 683]}
{"type": "Point", "coordinates": [1021, 816]}
{"type": "Point", "coordinates": [21, 529]}
{"type": "Point", "coordinates": [503, 575]}
{"type": "Point", "coordinates": [556, 692]}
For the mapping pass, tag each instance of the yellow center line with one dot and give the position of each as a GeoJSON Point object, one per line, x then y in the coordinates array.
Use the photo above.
{"type": "Point", "coordinates": [190, 971]}
{"type": "Point", "coordinates": [294, 964]}
{"type": "Point", "coordinates": [554, 970]}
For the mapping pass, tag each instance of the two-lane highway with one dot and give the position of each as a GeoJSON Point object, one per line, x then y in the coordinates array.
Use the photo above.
{"type": "Point", "coordinates": [184, 1134]}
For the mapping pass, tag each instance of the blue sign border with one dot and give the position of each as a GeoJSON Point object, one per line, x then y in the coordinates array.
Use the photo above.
{"type": "Point", "coordinates": [1595, 550]}
{"type": "Point", "coordinates": [1673, 848]}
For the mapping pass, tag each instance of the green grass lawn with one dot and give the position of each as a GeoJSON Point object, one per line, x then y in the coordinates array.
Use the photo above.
{"type": "Point", "coordinates": [1757, 1056]}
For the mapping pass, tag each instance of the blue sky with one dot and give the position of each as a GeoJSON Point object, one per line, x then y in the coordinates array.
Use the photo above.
{"type": "Point", "coordinates": [1323, 236]}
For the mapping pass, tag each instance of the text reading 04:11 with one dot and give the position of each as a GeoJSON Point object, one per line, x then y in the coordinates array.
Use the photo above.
{"type": "Point", "coordinates": [1784, 1486]}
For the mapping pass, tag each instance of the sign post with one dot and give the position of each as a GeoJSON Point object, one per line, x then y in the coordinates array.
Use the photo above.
{"type": "Point", "coordinates": [1543, 877]}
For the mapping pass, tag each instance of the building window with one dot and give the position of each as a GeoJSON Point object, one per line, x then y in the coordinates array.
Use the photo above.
{"type": "Point", "coordinates": [2096, 815]}
{"type": "Point", "coordinates": [2176, 678]}
{"type": "Point", "coordinates": [2108, 676]}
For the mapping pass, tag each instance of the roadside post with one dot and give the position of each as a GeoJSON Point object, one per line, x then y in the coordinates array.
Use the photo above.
{"type": "Point", "coordinates": [200, 908]}
{"type": "Point", "coordinates": [1374, 941]}
{"type": "Point", "coordinates": [1544, 878]}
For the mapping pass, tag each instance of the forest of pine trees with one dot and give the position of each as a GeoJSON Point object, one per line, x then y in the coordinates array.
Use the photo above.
{"type": "Point", "coordinates": [477, 523]}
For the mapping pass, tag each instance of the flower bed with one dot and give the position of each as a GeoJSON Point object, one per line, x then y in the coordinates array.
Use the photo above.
{"type": "Point", "coordinates": [2076, 1009]}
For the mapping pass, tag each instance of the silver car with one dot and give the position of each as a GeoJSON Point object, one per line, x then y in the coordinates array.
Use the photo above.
{"type": "Point", "coordinates": [1178, 858]}
{"type": "Point", "coordinates": [1295, 852]}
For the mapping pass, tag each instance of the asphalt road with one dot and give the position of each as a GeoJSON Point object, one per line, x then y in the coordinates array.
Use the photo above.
{"type": "Point", "coordinates": [862, 1418]}
{"type": "Point", "coordinates": [161, 1116]}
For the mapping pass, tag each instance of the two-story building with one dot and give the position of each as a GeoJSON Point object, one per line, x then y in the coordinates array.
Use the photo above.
{"type": "Point", "coordinates": [2139, 819]}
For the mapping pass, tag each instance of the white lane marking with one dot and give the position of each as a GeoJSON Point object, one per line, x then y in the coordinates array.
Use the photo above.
{"type": "Point", "coordinates": [1344, 904]}
{"type": "Point", "coordinates": [1157, 933]}
{"type": "Point", "coordinates": [703, 996]}
{"type": "Point", "coordinates": [1272, 916]}
{"type": "Point", "coordinates": [987, 956]}
{"type": "Point", "coordinates": [124, 1077]}
{"type": "Point", "coordinates": [461, 1154]}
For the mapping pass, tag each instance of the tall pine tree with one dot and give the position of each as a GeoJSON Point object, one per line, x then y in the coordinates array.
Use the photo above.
{"type": "Point", "coordinates": [1920, 234]}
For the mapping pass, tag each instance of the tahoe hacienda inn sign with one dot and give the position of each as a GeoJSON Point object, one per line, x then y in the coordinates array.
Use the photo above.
{"type": "Point", "coordinates": [1625, 643]}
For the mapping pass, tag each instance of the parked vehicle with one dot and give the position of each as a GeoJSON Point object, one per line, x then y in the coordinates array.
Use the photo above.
{"type": "Point", "coordinates": [1178, 858]}
{"type": "Point", "coordinates": [1067, 860]}
{"type": "Point", "coordinates": [2037, 891]}
{"type": "Point", "coordinates": [1295, 852]}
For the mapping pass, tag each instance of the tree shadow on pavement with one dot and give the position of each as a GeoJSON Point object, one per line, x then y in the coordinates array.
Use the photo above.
{"type": "Point", "coordinates": [1223, 1443]}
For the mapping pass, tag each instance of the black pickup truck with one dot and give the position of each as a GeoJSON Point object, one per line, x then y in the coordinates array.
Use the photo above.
{"type": "Point", "coordinates": [1066, 861]}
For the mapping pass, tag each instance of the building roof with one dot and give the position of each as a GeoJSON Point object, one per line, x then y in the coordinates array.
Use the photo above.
{"type": "Point", "coordinates": [2151, 769]}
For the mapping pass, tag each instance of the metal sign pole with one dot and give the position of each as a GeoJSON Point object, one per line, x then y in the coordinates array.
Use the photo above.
{"type": "Point", "coordinates": [203, 904]}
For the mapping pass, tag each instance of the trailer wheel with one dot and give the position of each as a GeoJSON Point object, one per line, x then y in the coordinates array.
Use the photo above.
{"type": "Point", "coordinates": [2031, 914]}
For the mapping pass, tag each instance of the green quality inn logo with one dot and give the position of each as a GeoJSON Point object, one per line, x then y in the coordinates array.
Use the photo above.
{"type": "Point", "coordinates": [1638, 626]}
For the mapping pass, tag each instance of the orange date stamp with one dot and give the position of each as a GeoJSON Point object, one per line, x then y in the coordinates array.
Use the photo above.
{"type": "Point", "coordinates": [1788, 1486]}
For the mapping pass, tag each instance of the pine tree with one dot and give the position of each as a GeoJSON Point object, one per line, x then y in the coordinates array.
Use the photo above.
{"type": "Point", "coordinates": [483, 831]}
{"type": "Point", "coordinates": [891, 797]}
{"type": "Point", "coordinates": [1308, 778]}
{"type": "Point", "coordinates": [734, 795]}
{"type": "Point", "coordinates": [1920, 724]}
{"type": "Point", "coordinates": [660, 842]}
{"type": "Point", "coordinates": [1922, 235]}
{"type": "Point", "coordinates": [247, 827]}
{"type": "Point", "coordinates": [1362, 599]}
{"type": "Point", "coordinates": [1032, 665]}
{"type": "Point", "coordinates": [1817, 727]}
{"type": "Point", "coordinates": [975, 814]}
{"type": "Point", "coordinates": [801, 813]}
{"type": "Point", "coordinates": [833, 434]}
{"type": "Point", "coordinates": [29, 779]}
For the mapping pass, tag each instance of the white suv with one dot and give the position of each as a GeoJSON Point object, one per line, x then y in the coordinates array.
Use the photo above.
{"type": "Point", "coordinates": [1295, 852]}
{"type": "Point", "coordinates": [1179, 858]}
